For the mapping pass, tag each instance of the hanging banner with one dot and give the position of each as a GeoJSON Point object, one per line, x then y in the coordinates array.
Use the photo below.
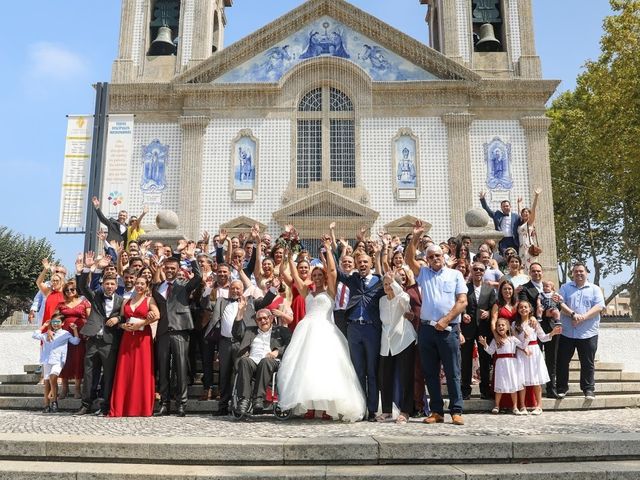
{"type": "Point", "coordinates": [75, 176]}
{"type": "Point", "coordinates": [117, 164]}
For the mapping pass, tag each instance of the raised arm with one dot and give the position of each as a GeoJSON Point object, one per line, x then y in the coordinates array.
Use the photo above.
{"type": "Point", "coordinates": [332, 271]}
{"type": "Point", "coordinates": [534, 206]}
{"type": "Point", "coordinates": [410, 253]}
{"type": "Point", "coordinates": [96, 204]}
{"type": "Point", "coordinates": [40, 281]}
{"type": "Point", "coordinates": [485, 205]}
{"type": "Point", "coordinates": [297, 281]}
{"type": "Point", "coordinates": [332, 233]}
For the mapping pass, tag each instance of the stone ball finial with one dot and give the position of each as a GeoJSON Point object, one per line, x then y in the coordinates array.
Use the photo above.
{"type": "Point", "coordinates": [167, 220]}
{"type": "Point", "coordinates": [476, 218]}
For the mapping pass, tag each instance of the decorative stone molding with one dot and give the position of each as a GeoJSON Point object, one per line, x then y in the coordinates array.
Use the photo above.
{"type": "Point", "coordinates": [193, 128]}
{"type": "Point", "coordinates": [241, 224]}
{"type": "Point", "coordinates": [460, 179]}
{"type": "Point", "coordinates": [404, 226]}
{"type": "Point", "coordinates": [312, 214]}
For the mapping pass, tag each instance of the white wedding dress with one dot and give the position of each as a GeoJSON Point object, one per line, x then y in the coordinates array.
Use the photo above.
{"type": "Point", "coordinates": [316, 371]}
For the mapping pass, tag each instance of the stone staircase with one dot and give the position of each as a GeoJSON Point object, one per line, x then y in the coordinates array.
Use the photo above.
{"type": "Point", "coordinates": [571, 457]}
{"type": "Point", "coordinates": [615, 388]}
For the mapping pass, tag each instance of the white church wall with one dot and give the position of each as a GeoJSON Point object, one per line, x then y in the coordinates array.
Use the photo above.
{"type": "Point", "coordinates": [510, 132]}
{"type": "Point", "coordinates": [273, 168]}
{"type": "Point", "coordinates": [433, 202]}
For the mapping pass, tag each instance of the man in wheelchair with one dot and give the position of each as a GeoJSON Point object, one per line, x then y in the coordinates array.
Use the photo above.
{"type": "Point", "coordinates": [259, 353]}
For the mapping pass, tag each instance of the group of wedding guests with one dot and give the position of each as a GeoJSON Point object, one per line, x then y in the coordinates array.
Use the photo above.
{"type": "Point", "coordinates": [381, 318]}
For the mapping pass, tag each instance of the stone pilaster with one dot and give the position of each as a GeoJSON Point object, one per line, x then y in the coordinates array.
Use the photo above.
{"type": "Point", "coordinates": [459, 155]}
{"type": "Point", "coordinates": [449, 30]}
{"type": "Point", "coordinates": [193, 129]}
{"type": "Point", "coordinates": [204, 11]}
{"type": "Point", "coordinates": [123, 67]}
{"type": "Point", "coordinates": [529, 62]}
{"type": "Point", "coordinates": [536, 131]}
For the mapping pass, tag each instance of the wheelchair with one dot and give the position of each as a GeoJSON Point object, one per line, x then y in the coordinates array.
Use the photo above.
{"type": "Point", "coordinates": [271, 398]}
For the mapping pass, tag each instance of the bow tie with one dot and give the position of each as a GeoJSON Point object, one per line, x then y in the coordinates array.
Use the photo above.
{"type": "Point", "coordinates": [232, 299]}
{"type": "Point", "coordinates": [108, 297]}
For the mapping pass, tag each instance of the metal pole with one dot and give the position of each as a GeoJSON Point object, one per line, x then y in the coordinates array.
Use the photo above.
{"type": "Point", "coordinates": [97, 161]}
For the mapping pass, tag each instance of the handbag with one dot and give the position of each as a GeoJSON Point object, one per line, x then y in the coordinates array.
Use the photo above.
{"type": "Point", "coordinates": [534, 249]}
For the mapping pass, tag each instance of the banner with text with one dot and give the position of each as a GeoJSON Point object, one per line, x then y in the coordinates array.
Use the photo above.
{"type": "Point", "coordinates": [75, 176]}
{"type": "Point", "coordinates": [117, 171]}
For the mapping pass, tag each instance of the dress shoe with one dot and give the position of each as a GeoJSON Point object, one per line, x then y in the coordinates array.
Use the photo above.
{"type": "Point", "coordinates": [101, 413]}
{"type": "Point", "coordinates": [434, 418]}
{"type": "Point", "coordinates": [221, 412]}
{"type": "Point", "coordinates": [180, 412]}
{"type": "Point", "coordinates": [54, 407]}
{"type": "Point", "coordinates": [164, 411]}
{"type": "Point", "coordinates": [457, 419]}
{"type": "Point", "coordinates": [258, 404]}
{"type": "Point", "coordinates": [466, 397]}
{"type": "Point", "coordinates": [243, 405]}
{"type": "Point", "coordinates": [552, 394]}
{"type": "Point", "coordinates": [589, 395]}
{"type": "Point", "coordinates": [82, 411]}
{"type": "Point", "coordinates": [372, 417]}
{"type": "Point", "coordinates": [46, 409]}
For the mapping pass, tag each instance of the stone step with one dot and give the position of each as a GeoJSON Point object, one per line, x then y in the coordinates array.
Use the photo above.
{"type": "Point", "coordinates": [17, 470]}
{"type": "Point", "coordinates": [33, 378]}
{"type": "Point", "coordinates": [277, 451]}
{"type": "Point", "coordinates": [577, 402]}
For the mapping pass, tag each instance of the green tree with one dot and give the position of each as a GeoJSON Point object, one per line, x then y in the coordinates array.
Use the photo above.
{"type": "Point", "coordinates": [595, 156]}
{"type": "Point", "coordinates": [20, 264]}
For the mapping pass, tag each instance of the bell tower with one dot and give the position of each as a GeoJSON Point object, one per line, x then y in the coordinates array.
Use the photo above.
{"type": "Point", "coordinates": [160, 39]}
{"type": "Point", "coordinates": [495, 38]}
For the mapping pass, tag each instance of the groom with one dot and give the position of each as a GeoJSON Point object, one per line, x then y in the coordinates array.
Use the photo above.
{"type": "Point", "coordinates": [364, 327]}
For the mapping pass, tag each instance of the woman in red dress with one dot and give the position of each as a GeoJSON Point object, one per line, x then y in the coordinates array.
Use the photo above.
{"type": "Point", "coordinates": [52, 290]}
{"type": "Point", "coordinates": [74, 310]}
{"type": "Point", "coordinates": [134, 386]}
{"type": "Point", "coordinates": [297, 301]}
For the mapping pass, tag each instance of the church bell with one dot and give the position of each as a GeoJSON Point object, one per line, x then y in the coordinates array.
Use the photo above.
{"type": "Point", "coordinates": [163, 43]}
{"type": "Point", "coordinates": [488, 41]}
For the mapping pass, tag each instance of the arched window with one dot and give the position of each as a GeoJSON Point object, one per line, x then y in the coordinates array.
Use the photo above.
{"type": "Point", "coordinates": [326, 138]}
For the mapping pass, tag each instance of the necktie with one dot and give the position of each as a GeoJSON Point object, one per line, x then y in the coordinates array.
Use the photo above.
{"type": "Point", "coordinates": [342, 293]}
{"type": "Point", "coordinates": [169, 289]}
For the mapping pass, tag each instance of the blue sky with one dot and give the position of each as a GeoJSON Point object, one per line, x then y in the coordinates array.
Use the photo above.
{"type": "Point", "coordinates": [54, 51]}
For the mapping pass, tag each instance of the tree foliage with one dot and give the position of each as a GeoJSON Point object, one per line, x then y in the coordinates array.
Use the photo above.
{"type": "Point", "coordinates": [20, 265]}
{"type": "Point", "coordinates": [595, 156]}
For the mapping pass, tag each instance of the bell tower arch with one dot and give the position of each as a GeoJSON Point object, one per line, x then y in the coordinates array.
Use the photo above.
{"type": "Point", "coordinates": [160, 39]}
{"type": "Point", "coordinates": [495, 38]}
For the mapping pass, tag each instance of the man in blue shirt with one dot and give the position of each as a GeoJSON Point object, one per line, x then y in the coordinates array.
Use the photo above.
{"type": "Point", "coordinates": [581, 304]}
{"type": "Point", "coordinates": [444, 299]}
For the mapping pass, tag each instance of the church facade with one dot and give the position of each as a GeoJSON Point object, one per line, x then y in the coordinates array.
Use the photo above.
{"type": "Point", "coordinates": [329, 114]}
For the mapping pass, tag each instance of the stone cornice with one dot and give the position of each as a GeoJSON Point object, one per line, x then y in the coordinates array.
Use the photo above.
{"type": "Point", "coordinates": [458, 120]}
{"type": "Point", "coordinates": [194, 121]}
{"type": "Point", "coordinates": [264, 38]}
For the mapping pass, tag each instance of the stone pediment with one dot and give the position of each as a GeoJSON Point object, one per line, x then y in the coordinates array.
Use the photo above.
{"type": "Point", "coordinates": [404, 225]}
{"type": "Point", "coordinates": [312, 215]}
{"type": "Point", "coordinates": [241, 224]}
{"type": "Point", "coordinates": [323, 28]}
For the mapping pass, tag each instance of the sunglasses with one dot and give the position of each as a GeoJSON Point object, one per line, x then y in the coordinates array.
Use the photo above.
{"type": "Point", "coordinates": [478, 269]}
{"type": "Point", "coordinates": [433, 256]}
{"type": "Point", "coordinates": [71, 289]}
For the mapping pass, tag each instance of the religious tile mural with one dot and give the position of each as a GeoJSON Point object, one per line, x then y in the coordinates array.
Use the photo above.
{"type": "Point", "coordinates": [498, 159]}
{"type": "Point", "coordinates": [154, 160]}
{"type": "Point", "coordinates": [326, 37]}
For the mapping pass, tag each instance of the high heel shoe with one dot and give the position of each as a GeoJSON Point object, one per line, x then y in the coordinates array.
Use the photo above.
{"type": "Point", "coordinates": [326, 417]}
{"type": "Point", "coordinates": [310, 415]}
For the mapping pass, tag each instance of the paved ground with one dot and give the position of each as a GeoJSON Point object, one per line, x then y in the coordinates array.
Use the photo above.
{"type": "Point", "coordinates": [592, 422]}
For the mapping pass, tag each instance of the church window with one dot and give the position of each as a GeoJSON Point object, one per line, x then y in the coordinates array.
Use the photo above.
{"type": "Point", "coordinates": [326, 138]}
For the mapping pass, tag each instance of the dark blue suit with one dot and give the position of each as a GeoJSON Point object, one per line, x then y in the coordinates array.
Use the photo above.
{"type": "Point", "coordinates": [363, 331]}
{"type": "Point", "coordinates": [497, 217]}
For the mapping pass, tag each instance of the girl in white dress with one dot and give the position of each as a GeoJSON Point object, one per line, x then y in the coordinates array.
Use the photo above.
{"type": "Point", "coordinates": [316, 371]}
{"type": "Point", "coordinates": [509, 377]}
{"type": "Point", "coordinates": [527, 329]}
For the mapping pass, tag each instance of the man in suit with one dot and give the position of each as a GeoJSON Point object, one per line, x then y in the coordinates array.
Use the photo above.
{"type": "Point", "coordinates": [225, 313]}
{"type": "Point", "coordinates": [259, 352]}
{"type": "Point", "coordinates": [530, 292]}
{"type": "Point", "coordinates": [476, 321]}
{"type": "Point", "coordinates": [103, 333]}
{"type": "Point", "coordinates": [116, 228]}
{"type": "Point", "coordinates": [172, 336]}
{"type": "Point", "coordinates": [505, 221]}
{"type": "Point", "coordinates": [364, 327]}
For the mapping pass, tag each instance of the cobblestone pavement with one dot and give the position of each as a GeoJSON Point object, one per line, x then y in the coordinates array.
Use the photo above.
{"type": "Point", "coordinates": [583, 422]}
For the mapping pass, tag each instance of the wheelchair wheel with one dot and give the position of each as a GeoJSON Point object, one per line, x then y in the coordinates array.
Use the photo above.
{"type": "Point", "coordinates": [281, 414]}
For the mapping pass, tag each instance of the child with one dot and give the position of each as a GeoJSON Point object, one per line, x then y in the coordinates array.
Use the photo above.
{"type": "Point", "coordinates": [550, 308]}
{"type": "Point", "coordinates": [509, 377]}
{"type": "Point", "coordinates": [53, 356]}
{"type": "Point", "coordinates": [528, 331]}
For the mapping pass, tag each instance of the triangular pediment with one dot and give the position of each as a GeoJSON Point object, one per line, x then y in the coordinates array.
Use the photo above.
{"type": "Point", "coordinates": [312, 215]}
{"type": "Point", "coordinates": [404, 225]}
{"type": "Point", "coordinates": [241, 224]}
{"type": "Point", "coordinates": [326, 28]}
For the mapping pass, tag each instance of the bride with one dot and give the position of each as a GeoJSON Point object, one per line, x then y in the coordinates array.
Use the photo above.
{"type": "Point", "coordinates": [316, 371]}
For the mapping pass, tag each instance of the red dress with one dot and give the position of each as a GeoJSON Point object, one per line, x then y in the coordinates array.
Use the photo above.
{"type": "Point", "coordinates": [134, 384]}
{"type": "Point", "coordinates": [298, 307]}
{"type": "Point", "coordinates": [530, 396]}
{"type": "Point", "coordinates": [74, 366]}
{"type": "Point", "coordinates": [51, 303]}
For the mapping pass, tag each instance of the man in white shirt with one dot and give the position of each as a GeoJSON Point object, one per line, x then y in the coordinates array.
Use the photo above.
{"type": "Point", "coordinates": [259, 355]}
{"type": "Point", "coordinates": [347, 265]}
